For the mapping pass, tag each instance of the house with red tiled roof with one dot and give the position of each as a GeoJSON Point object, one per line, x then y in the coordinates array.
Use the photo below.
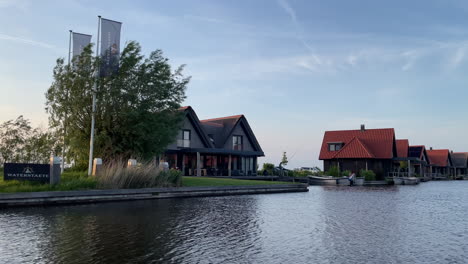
{"type": "Point", "coordinates": [440, 161]}
{"type": "Point", "coordinates": [354, 150]}
{"type": "Point", "coordinates": [224, 146]}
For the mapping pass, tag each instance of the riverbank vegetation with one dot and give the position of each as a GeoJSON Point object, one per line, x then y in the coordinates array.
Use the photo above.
{"type": "Point", "coordinates": [73, 181]}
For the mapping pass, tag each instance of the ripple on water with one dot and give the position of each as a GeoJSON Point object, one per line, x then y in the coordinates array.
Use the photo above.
{"type": "Point", "coordinates": [400, 224]}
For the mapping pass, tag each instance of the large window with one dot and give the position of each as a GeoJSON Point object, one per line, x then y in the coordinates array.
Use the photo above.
{"type": "Point", "coordinates": [237, 142]}
{"type": "Point", "coordinates": [184, 138]}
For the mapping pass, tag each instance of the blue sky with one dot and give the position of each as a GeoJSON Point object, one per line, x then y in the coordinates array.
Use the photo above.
{"type": "Point", "coordinates": [295, 68]}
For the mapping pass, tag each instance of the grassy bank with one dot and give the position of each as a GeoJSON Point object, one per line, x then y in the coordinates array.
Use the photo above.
{"type": "Point", "coordinates": [72, 181]}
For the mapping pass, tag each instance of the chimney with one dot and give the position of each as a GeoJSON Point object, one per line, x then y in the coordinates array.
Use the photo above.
{"type": "Point", "coordinates": [430, 148]}
{"type": "Point", "coordinates": [363, 127]}
{"type": "Point", "coordinates": [451, 151]}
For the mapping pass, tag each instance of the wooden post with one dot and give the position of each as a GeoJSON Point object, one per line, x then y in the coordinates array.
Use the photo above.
{"type": "Point", "coordinates": [367, 168]}
{"type": "Point", "coordinates": [409, 168]}
{"type": "Point", "coordinates": [198, 165]}
{"type": "Point", "coordinates": [229, 166]}
{"type": "Point", "coordinates": [183, 164]}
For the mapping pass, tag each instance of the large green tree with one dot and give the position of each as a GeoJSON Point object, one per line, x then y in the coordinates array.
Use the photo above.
{"type": "Point", "coordinates": [137, 107]}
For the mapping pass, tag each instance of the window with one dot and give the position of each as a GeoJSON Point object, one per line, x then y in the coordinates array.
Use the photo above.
{"type": "Point", "coordinates": [335, 146]}
{"type": "Point", "coordinates": [237, 142]}
{"type": "Point", "coordinates": [184, 138]}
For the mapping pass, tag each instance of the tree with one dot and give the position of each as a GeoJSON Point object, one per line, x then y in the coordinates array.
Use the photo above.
{"type": "Point", "coordinates": [269, 168]}
{"type": "Point", "coordinates": [284, 160]}
{"type": "Point", "coordinates": [19, 142]}
{"type": "Point", "coordinates": [137, 108]}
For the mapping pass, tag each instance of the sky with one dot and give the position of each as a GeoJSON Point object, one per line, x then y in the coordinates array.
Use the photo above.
{"type": "Point", "coordinates": [294, 68]}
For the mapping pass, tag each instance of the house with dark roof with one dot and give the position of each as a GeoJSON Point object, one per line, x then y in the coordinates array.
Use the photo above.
{"type": "Point", "coordinates": [354, 150]}
{"type": "Point", "coordinates": [415, 157]}
{"type": "Point", "coordinates": [460, 163]}
{"type": "Point", "coordinates": [420, 159]}
{"type": "Point", "coordinates": [224, 146]}
{"type": "Point", "coordinates": [440, 161]}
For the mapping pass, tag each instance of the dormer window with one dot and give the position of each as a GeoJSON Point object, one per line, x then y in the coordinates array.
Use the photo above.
{"type": "Point", "coordinates": [335, 146]}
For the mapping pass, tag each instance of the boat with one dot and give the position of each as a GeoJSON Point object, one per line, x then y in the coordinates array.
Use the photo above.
{"type": "Point", "coordinates": [344, 181]}
{"type": "Point", "coordinates": [322, 180]}
{"type": "Point", "coordinates": [397, 180]}
{"type": "Point", "coordinates": [410, 180]}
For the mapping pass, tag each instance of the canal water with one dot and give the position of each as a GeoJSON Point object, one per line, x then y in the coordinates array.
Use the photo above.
{"type": "Point", "coordinates": [427, 223]}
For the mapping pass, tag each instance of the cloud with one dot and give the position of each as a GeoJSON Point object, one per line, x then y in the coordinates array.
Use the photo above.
{"type": "Point", "coordinates": [26, 41]}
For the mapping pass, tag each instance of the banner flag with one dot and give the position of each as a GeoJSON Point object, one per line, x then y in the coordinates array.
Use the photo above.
{"type": "Point", "coordinates": [80, 41]}
{"type": "Point", "coordinates": [110, 46]}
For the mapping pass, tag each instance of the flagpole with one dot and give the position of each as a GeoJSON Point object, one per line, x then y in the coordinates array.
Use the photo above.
{"type": "Point", "coordinates": [64, 120]}
{"type": "Point", "coordinates": [96, 72]}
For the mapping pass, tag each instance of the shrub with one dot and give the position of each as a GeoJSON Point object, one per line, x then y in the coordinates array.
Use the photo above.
{"type": "Point", "coordinates": [333, 171]}
{"type": "Point", "coordinates": [115, 175]}
{"type": "Point", "coordinates": [346, 173]}
{"type": "Point", "coordinates": [368, 175]}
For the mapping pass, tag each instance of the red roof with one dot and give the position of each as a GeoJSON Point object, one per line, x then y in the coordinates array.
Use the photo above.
{"type": "Point", "coordinates": [369, 143]}
{"type": "Point", "coordinates": [438, 157]}
{"type": "Point", "coordinates": [402, 146]}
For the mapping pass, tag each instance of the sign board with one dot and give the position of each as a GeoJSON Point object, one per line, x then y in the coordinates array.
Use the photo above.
{"type": "Point", "coordinates": [26, 172]}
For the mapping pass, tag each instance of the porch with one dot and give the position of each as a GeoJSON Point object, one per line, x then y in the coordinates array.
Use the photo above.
{"type": "Point", "coordinates": [212, 164]}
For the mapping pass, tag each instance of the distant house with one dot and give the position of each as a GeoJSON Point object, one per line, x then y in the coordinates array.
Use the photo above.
{"type": "Point", "coordinates": [415, 157]}
{"type": "Point", "coordinates": [441, 161]}
{"type": "Point", "coordinates": [354, 150]}
{"type": "Point", "coordinates": [223, 146]}
{"type": "Point", "coordinates": [460, 163]}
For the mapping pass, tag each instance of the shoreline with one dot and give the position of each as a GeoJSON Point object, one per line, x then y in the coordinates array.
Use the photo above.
{"type": "Point", "coordinates": [113, 195]}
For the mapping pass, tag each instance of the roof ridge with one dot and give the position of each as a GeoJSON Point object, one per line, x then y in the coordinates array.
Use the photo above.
{"type": "Point", "coordinates": [221, 118]}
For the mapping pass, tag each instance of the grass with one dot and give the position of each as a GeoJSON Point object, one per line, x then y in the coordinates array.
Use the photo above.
{"type": "Point", "coordinates": [72, 181]}
{"type": "Point", "coordinates": [206, 181]}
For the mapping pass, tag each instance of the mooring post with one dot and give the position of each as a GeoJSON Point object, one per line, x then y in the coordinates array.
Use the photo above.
{"type": "Point", "coordinates": [97, 165]}
{"type": "Point", "coordinates": [55, 170]}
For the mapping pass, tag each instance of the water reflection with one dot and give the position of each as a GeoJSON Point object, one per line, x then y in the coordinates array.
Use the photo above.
{"type": "Point", "coordinates": [418, 224]}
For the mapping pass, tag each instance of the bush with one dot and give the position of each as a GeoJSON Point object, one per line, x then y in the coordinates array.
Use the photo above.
{"type": "Point", "coordinates": [368, 175]}
{"type": "Point", "coordinates": [114, 175]}
{"type": "Point", "coordinates": [346, 173]}
{"type": "Point", "coordinates": [333, 171]}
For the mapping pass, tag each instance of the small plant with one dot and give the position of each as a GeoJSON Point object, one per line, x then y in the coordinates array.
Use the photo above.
{"type": "Point", "coordinates": [368, 175]}
{"type": "Point", "coordinates": [346, 173]}
{"type": "Point", "coordinates": [333, 171]}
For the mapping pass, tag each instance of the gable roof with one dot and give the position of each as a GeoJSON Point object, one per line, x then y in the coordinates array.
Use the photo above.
{"type": "Point", "coordinates": [439, 157]}
{"type": "Point", "coordinates": [402, 146]}
{"type": "Point", "coordinates": [193, 118]}
{"type": "Point", "coordinates": [223, 127]}
{"type": "Point", "coordinates": [220, 129]}
{"type": "Point", "coordinates": [460, 159]}
{"type": "Point", "coordinates": [368, 143]}
{"type": "Point", "coordinates": [418, 151]}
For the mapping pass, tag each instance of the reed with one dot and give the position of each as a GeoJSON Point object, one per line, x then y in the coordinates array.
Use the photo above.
{"type": "Point", "coordinates": [116, 175]}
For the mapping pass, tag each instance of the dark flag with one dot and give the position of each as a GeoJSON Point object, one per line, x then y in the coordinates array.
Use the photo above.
{"type": "Point", "coordinates": [80, 41]}
{"type": "Point", "coordinates": [110, 46]}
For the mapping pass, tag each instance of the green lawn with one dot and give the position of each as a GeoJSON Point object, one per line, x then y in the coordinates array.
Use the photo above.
{"type": "Point", "coordinates": [206, 181]}
{"type": "Point", "coordinates": [70, 181]}
{"type": "Point", "coordinates": [80, 181]}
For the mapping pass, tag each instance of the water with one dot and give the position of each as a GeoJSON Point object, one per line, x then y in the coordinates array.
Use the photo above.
{"type": "Point", "coordinates": [427, 223]}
